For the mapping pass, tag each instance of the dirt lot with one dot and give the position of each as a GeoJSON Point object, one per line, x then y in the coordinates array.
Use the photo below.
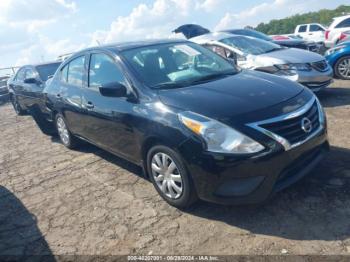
{"type": "Point", "coordinates": [53, 200]}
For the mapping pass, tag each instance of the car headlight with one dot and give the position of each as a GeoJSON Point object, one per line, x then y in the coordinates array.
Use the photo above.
{"type": "Point", "coordinates": [219, 137]}
{"type": "Point", "coordinates": [299, 67]}
{"type": "Point", "coordinates": [335, 49]}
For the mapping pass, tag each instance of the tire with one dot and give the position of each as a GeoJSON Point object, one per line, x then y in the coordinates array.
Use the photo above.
{"type": "Point", "coordinates": [66, 137]}
{"type": "Point", "coordinates": [339, 70]}
{"type": "Point", "coordinates": [178, 178]}
{"type": "Point", "coordinates": [16, 106]}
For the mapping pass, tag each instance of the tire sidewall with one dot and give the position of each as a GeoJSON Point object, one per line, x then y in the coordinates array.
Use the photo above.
{"type": "Point", "coordinates": [188, 195]}
{"type": "Point", "coordinates": [337, 65]}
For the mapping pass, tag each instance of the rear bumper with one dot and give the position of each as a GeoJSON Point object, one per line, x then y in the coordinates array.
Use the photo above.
{"type": "Point", "coordinates": [235, 181]}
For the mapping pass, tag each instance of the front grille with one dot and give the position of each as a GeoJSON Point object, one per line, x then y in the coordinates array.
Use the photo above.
{"type": "Point", "coordinates": [291, 129]}
{"type": "Point", "coordinates": [320, 65]}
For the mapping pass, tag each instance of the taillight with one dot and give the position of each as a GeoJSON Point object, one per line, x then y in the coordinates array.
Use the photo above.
{"type": "Point", "coordinates": [342, 36]}
{"type": "Point", "coordinates": [326, 35]}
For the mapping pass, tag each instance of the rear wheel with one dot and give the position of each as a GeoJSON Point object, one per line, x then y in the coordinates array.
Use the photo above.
{"type": "Point", "coordinates": [65, 135]}
{"type": "Point", "coordinates": [170, 177]}
{"type": "Point", "coordinates": [16, 106]}
{"type": "Point", "coordinates": [342, 68]}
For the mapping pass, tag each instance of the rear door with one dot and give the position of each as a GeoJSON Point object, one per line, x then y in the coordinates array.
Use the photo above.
{"type": "Point", "coordinates": [31, 91]}
{"type": "Point", "coordinates": [68, 97]}
{"type": "Point", "coordinates": [17, 86]}
{"type": "Point", "coordinates": [108, 122]}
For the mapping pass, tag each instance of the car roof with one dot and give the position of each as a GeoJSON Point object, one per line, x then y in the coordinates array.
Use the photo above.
{"type": "Point", "coordinates": [122, 46]}
{"type": "Point", "coordinates": [341, 17]}
{"type": "Point", "coordinates": [41, 64]}
{"type": "Point", "coordinates": [217, 36]}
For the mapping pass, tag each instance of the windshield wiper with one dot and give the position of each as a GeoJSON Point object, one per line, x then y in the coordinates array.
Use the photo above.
{"type": "Point", "coordinates": [169, 85]}
{"type": "Point", "coordinates": [274, 49]}
{"type": "Point", "coordinates": [212, 77]}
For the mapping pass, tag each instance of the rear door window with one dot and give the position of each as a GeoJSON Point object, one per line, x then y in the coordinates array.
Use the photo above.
{"type": "Point", "coordinates": [76, 71]}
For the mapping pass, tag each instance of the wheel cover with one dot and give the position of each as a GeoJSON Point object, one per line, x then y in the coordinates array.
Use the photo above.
{"type": "Point", "coordinates": [167, 175]}
{"type": "Point", "coordinates": [344, 68]}
{"type": "Point", "coordinates": [62, 130]}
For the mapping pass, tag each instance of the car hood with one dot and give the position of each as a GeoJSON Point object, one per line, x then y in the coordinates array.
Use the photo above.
{"type": "Point", "coordinates": [291, 55]}
{"type": "Point", "coordinates": [290, 42]}
{"type": "Point", "coordinates": [242, 93]}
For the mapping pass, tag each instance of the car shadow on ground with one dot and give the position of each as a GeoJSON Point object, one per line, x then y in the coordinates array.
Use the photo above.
{"type": "Point", "coordinates": [316, 208]}
{"type": "Point", "coordinates": [85, 147]}
{"type": "Point", "coordinates": [334, 97]}
{"type": "Point", "coordinates": [20, 236]}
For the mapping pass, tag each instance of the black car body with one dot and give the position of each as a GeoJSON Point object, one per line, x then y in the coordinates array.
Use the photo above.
{"type": "Point", "coordinates": [26, 86]}
{"type": "Point", "coordinates": [4, 93]}
{"type": "Point", "coordinates": [122, 99]}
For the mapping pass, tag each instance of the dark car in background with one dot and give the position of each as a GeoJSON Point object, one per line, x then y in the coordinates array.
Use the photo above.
{"type": "Point", "coordinates": [198, 126]}
{"type": "Point", "coordinates": [4, 93]}
{"type": "Point", "coordinates": [26, 86]}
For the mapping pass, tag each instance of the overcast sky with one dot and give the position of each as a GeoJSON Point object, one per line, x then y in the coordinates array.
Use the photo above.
{"type": "Point", "coordinates": [32, 31]}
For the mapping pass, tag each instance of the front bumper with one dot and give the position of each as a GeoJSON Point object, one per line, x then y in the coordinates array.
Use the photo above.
{"type": "Point", "coordinates": [237, 180]}
{"type": "Point", "coordinates": [315, 80]}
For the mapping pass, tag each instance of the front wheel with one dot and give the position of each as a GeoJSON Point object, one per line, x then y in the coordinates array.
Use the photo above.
{"type": "Point", "coordinates": [342, 68]}
{"type": "Point", "coordinates": [170, 177]}
{"type": "Point", "coordinates": [65, 135]}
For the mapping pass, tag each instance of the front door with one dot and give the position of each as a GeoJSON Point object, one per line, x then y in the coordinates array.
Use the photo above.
{"type": "Point", "coordinates": [108, 122]}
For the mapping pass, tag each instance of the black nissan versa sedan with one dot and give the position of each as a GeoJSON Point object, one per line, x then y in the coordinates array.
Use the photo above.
{"type": "Point", "coordinates": [26, 86]}
{"type": "Point", "coordinates": [198, 126]}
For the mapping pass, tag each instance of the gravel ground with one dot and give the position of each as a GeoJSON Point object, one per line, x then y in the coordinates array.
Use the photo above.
{"type": "Point", "coordinates": [57, 201]}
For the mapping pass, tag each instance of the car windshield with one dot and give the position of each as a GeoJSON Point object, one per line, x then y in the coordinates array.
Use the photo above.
{"type": "Point", "coordinates": [177, 65]}
{"type": "Point", "coordinates": [45, 71]}
{"type": "Point", "coordinates": [250, 45]}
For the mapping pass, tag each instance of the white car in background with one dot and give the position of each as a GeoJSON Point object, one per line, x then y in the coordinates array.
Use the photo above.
{"type": "Point", "coordinates": [334, 34]}
{"type": "Point", "coordinates": [307, 68]}
{"type": "Point", "coordinates": [311, 32]}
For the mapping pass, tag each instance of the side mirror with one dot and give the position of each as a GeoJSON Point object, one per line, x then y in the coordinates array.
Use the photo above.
{"type": "Point", "coordinates": [31, 81]}
{"type": "Point", "coordinates": [113, 90]}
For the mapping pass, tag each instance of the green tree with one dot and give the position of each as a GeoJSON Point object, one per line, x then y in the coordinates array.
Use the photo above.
{"type": "Point", "coordinates": [287, 25]}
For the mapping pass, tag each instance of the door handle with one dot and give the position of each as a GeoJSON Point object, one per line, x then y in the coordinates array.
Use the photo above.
{"type": "Point", "coordinates": [89, 105]}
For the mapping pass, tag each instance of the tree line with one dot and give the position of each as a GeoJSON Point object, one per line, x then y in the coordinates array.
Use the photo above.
{"type": "Point", "coordinates": [287, 25]}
